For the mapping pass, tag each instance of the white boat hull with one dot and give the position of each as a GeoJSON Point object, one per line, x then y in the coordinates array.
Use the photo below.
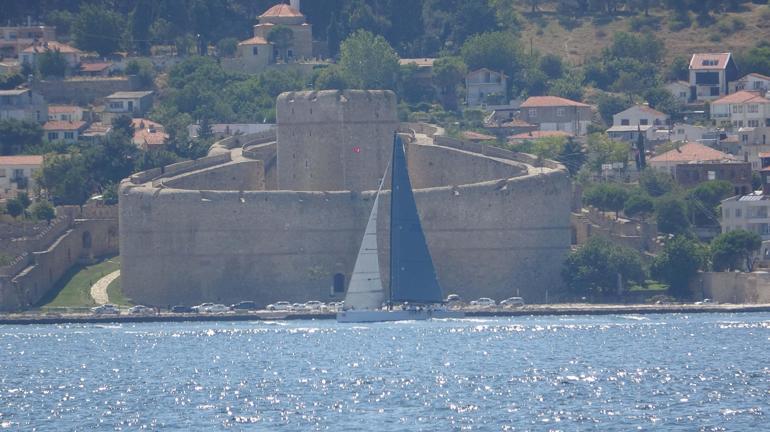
{"type": "Point", "coordinates": [364, 315]}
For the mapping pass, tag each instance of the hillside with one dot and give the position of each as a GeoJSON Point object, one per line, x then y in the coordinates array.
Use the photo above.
{"type": "Point", "coordinates": [591, 35]}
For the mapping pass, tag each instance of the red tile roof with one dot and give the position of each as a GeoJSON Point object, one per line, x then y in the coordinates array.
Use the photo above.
{"type": "Point", "coordinates": [763, 154]}
{"type": "Point", "coordinates": [539, 134]}
{"type": "Point", "coordinates": [281, 10]}
{"type": "Point", "coordinates": [63, 109]}
{"type": "Point", "coordinates": [741, 97]}
{"type": "Point", "coordinates": [757, 75]}
{"type": "Point", "coordinates": [148, 138]}
{"type": "Point", "coordinates": [475, 136]}
{"type": "Point", "coordinates": [57, 125]}
{"type": "Point", "coordinates": [692, 152]}
{"type": "Point", "coordinates": [550, 101]}
{"type": "Point", "coordinates": [710, 61]}
{"type": "Point", "coordinates": [256, 40]}
{"type": "Point", "coordinates": [21, 160]}
{"type": "Point", "coordinates": [52, 45]}
{"type": "Point", "coordinates": [143, 123]}
{"type": "Point", "coordinates": [95, 67]}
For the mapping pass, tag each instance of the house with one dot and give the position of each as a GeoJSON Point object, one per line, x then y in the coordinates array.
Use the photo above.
{"type": "Point", "coordinates": [552, 113]}
{"type": "Point", "coordinates": [95, 131]}
{"type": "Point", "coordinates": [680, 90]}
{"type": "Point", "coordinates": [132, 103]}
{"type": "Point", "coordinates": [67, 131]}
{"type": "Point", "coordinates": [753, 82]}
{"type": "Point", "coordinates": [148, 135]}
{"type": "Point", "coordinates": [710, 75]}
{"type": "Point", "coordinates": [640, 115]}
{"type": "Point", "coordinates": [256, 52]}
{"type": "Point", "coordinates": [750, 211]}
{"type": "Point", "coordinates": [16, 174]}
{"type": "Point", "coordinates": [631, 133]}
{"type": "Point", "coordinates": [96, 69]}
{"type": "Point", "coordinates": [424, 67]}
{"type": "Point", "coordinates": [687, 153]}
{"type": "Point", "coordinates": [16, 38]}
{"type": "Point", "coordinates": [694, 173]}
{"type": "Point", "coordinates": [685, 132]}
{"type": "Point", "coordinates": [23, 104]}
{"type": "Point", "coordinates": [743, 108]}
{"type": "Point", "coordinates": [65, 112]}
{"type": "Point", "coordinates": [484, 86]}
{"type": "Point", "coordinates": [71, 55]}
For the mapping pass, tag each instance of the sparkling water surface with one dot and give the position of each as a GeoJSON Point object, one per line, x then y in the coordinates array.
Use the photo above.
{"type": "Point", "coordinates": [656, 372]}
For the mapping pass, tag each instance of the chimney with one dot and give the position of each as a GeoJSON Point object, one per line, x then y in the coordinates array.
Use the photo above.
{"type": "Point", "coordinates": [294, 4]}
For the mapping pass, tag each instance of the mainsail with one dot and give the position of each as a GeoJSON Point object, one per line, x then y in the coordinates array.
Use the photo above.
{"type": "Point", "coordinates": [412, 275]}
{"type": "Point", "coordinates": [365, 290]}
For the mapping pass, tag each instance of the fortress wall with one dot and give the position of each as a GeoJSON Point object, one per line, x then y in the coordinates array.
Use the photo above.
{"type": "Point", "coordinates": [334, 140]}
{"type": "Point", "coordinates": [432, 166]}
{"type": "Point", "coordinates": [244, 175]}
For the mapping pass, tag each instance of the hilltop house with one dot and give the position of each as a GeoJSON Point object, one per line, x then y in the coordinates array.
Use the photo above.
{"type": "Point", "coordinates": [552, 113]}
{"type": "Point", "coordinates": [65, 112]}
{"type": "Point", "coordinates": [710, 75]}
{"type": "Point", "coordinates": [753, 82]}
{"type": "Point", "coordinates": [71, 55]}
{"type": "Point", "coordinates": [484, 86]}
{"type": "Point", "coordinates": [16, 174]}
{"type": "Point", "coordinates": [14, 39]}
{"type": "Point", "coordinates": [67, 131]}
{"type": "Point", "coordinates": [640, 115]}
{"type": "Point", "coordinates": [740, 109]}
{"type": "Point", "coordinates": [148, 135]}
{"type": "Point", "coordinates": [23, 104]}
{"type": "Point", "coordinates": [131, 103]}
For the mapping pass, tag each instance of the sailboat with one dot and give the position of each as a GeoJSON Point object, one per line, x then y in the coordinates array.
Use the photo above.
{"type": "Point", "coordinates": [415, 293]}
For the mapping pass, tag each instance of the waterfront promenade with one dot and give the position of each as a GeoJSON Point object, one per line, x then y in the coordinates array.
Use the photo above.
{"type": "Point", "coordinates": [264, 315]}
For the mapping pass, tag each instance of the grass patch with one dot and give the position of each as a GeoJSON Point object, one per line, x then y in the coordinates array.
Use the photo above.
{"type": "Point", "coordinates": [115, 293]}
{"type": "Point", "coordinates": [74, 288]}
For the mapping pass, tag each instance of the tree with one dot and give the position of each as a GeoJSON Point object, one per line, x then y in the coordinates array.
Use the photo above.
{"type": "Point", "coordinates": [330, 78]}
{"type": "Point", "coordinates": [639, 204]}
{"type": "Point", "coordinates": [606, 197]}
{"type": "Point", "coordinates": [548, 147]}
{"type": "Point", "coordinates": [572, 156]}
{"type": "Point", "coordinates": [602, 150]}
{"type": "Point", "coordinates": [65, 178]}
{"type": "Point", "coordinates": [97, 28]}
{"type": "Point", "coordinates": [656, 183]}
{"type": "Point", "coordinates": [593, 269]}
{"type": "Point", "coordinates": [552, 66]}
{"type": "Point", "coordinates": [141, 20]}
{"type": "Point", "coordinates": [705, 199]}
{"type": "Point", "coordinates": [733, 250]}
{"type": "Point", "coordinates": [645, 48]}
{"type": "Point", "coordinates": [756, 59]}
{"type": "Point", "coordinates": [570, 87]}
{"type": "Point", "coordinates": [676, 265]}
{"type": "Point", "coordinates": [10, 81]}
{"type": "Point", "coordinates": [662, 100]}
{"type": "Point", "coordinates": [671, 215]}
{"type": "Point", "coordinates": [43, 210]}
{"type": "Point", "coordinates": [14, 208]}
{"type": "Point", "coordinates": [205, 131]}
{"type": "Point", "coordinates": [17, 136]}
{"type": "Point", "coordinates": [610, 104]}
{"type": "Point", "coordinates": [123, 124]}
{"type": "Point", "coordinates": [498, 51]}
{"type": "Point", "coordinates": [679, 69]}
{"type": "Point", "coordinates": [448, 73]}
{"type": "Point", "coordinates": [281, 37]}
{"type": "Point", "coordinates": [24, 200]}
{"type": "Point", "coordinates": [143, 70]}
{"type": "Point", "coordinates": [51, 63]}
{"type": "Point", "coordinates": [368, 61]}
{"type": "Point", "coordinates": [227, 47]}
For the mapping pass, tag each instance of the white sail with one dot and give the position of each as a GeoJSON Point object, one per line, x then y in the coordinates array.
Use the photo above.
{"type": "Point", "coordinates": [365, 290]}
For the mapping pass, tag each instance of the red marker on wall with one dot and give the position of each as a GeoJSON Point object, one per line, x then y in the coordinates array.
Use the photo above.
{"type": "Point", "coordinates": [356, 149]}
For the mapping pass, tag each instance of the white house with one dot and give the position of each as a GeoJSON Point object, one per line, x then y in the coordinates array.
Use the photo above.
{"type": "Point", "coordinates": [131, 103]}
{"type": "Point", "coordinates": [553, 113]}
{"type": "Point", "coordinates": [631, 133]}
{"type": "Point", "coordinates": [483, 85]}
{"type": "Point", "coordinates": [16, 174]}
{"type": "Point", "coordinates": [753, 82]}
{"type": "Point", "coordinates": [65, 112]}
{"type": "Point", "coordinates": [23, 104]}
{"type": "Point", "coordinates": [67, 131]}
{"type": "Point", "coordinates": [710, 74]}
{"type": "Point", "coordinates": [680, 90]}
{"type": "Point", "coordinates": [640, 115]}
{"type": "Point", "coordinates": [743, 108]}
{"type": "Point", "coordinates": [70, 54]}
{"type": "Point", "coordinates": [685, 132]}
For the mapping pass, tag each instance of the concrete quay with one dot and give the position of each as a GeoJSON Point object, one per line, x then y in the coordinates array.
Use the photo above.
{"type": "Point", "coordinates": [529, 310]}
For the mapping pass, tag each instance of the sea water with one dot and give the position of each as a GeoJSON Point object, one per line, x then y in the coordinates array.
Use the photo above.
{"type": "Point", "coordinates": [655, 372]}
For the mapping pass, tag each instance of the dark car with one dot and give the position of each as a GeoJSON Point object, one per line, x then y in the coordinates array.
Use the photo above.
{"type": "Point", "coordinates": [244, 305]}
{"type": "Point", "coordinates": [181, 309]}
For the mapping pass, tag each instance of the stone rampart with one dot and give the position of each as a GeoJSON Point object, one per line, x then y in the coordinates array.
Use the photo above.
{"type": "Point", "coordinates": [732, 287]}
{"type": "Point", "coordinates": [226, 144]}
{"type": "Point", "coordinates": [242, 175]}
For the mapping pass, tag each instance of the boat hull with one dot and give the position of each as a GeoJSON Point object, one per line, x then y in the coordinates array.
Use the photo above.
{"type": "Point", "coordinates": [363, 315]}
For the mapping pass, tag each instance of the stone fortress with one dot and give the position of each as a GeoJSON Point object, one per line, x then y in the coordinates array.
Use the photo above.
{"type": "Point", "coordinates": [280, 215]}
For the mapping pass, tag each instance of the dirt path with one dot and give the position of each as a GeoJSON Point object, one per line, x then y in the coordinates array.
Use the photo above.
{"type": "Point", "coordinates": [99, 289]}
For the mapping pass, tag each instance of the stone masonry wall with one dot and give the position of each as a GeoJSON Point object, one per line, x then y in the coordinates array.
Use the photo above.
{"type": "Point", "coordinates": [241, 175]}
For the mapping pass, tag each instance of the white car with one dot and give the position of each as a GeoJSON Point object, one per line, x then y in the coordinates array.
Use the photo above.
{"type": "Point", "coordinates": [279, 306]}
{"type": "Point", "coordinates": [483, 302]}
{"type": "Point", "coordinates": [314, 305]}
{"type": "Point", "coordinates": [335, 306]}
{"type": "Point", "coordinates": [105, 309]}
{"type": "Point", "coordinates": [140, 310]}
{"type": "Point", "coordinates": [214, 308]}
{"type": "Point", "coordinates": [201, 307]}
{"type": "Point", "coordinates": [512, 302]}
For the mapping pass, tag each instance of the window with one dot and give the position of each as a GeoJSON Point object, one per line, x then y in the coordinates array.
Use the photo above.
{"type": "Point", "coordinates": [69, 135]}
{"type": "Point", "coordinates": [53, 136]}
{"type": "Point", "coordinates": [18, 173]}
{"type": "Point", "coordinates": [643, 122]}
{"type": "Point", "coordinates": [737, 212]}
{"type": "Point", "coordinates": [559, 112]}
{"type": "Point", "coordinates": [532, 113]}
{"type": "Point", "coordinates": [2, 172]}
{"type": "Point", "coordinates": [737, 109]}
{"type": "Point", "coordinates": [624, 122]}
{"type": "Point", "coordinates": [680, 131]}
{"type": "Point", "coordinates": [744, 138]}
{"type": "Point", "coordinates": [710, 62]}
{"type": "Point", "coordinates": [712, 175]}
{"type": "Point", "coordinates": [753, 108]}
{"type": "Point", "coordinates": [714, 91]}
{"type": "Point", "coordinates": [683, 95]}
{"type": "Point", "coordinates": [290, 53]}
{"type": "Point", "coordinates": [753, 123]}
{"type": "Point", "coordinates": [255, 50]}
{"type": "Point", "coordinates": [757, 85]}
{"type": "Point", "coordinates": [116, 105]}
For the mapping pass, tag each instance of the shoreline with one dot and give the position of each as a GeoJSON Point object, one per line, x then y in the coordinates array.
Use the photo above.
{"type": "Point", "coordinates": [529, 310]}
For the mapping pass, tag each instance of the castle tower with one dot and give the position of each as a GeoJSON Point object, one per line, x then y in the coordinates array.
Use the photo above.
{"type": "Point", "coordinates": [334, 140]}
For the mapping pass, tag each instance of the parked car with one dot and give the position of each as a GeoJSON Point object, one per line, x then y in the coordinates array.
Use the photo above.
{"type": "Point", "coordinates": [214, 308]}
{"type": "Point", "coordinates": [314, 305]}
{"type": "Point", "coordinates": [512, 302]}
{"type": "Point", "coordinates": [335, 306]}
{"type": "Point", "coordinates": [182, 309]}
{"type": "Point", "coordinates": [279, 306]}
{"type": "Point", "coordinates": [141, 310]}
{"type": "Point", "coordinates": [453, 298]}
{"type": "Point", "coordinates": [105, 309]}
{"type": "Point", "coordinates": [298, 307]}
{"type": "Point", "coordinates": [244, 305]}
{"type": "Point", "coordinates": [201, 307]}
{"type": "Point", "coordinates": [483, 302]}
